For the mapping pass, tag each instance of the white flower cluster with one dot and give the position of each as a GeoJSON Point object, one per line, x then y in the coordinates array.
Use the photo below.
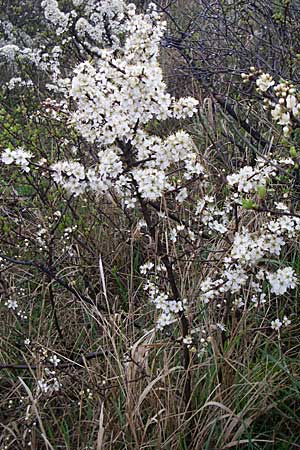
{"type": "Point", "coordinates": [41, 238]}
{"type": "Point", "coordinates": [286, 110]}
{"type": "Point", "coordinates": [248, 179]}
{"type": "Point", "coordinates": [145, 268]}
{"type": "Point", "coordinates": [167, 307]}
{"type": "Point", "coordinates": [276, 324]}
{"type": "Point", "coordinates": [249, 248]}
{"type": "Point", "coordinates": [211, 216]}
{"type": "Point", "coordinates": [54, 15]}
{"type": "Point", "coordinates": [38, 57]}
{"type": "Point", "coordinates": [102, 22]}
{"type": "Point", "coordinates": [286, 224]}
{"type": "Point", "coordinates": [209, 289]}
{"type": "Point", "coordinates": [18, 156]}
{"type": "Point", "coordinates": [48, 386]}
{"type": "Point", "coordinates": [282, 280]}
{"type": "Point", "coordinates": [71, 175]}
{"type": "Point", "coordinates": [20, 46]}
{"type": "Point", "coordinates": [9, 51]}
{"type": "Point", "coordinates": [116, 96]}
{"type": "Point", "coordinates": [264, 82]}
{"type": "Point", "coordinates": [185, 107]}
{"type": "Point", "coordinates": [151, 182]}
{"type": "Point", "coordinates": [281, 99]}
{"type": "Point", "coordinates": [174, 232]}
{"type": "Point", "coordinates": [251, 251]}
{"type": "Point", "coordinates": [17, 81]}
{"type": "Point", "coordinates": [8, 29]}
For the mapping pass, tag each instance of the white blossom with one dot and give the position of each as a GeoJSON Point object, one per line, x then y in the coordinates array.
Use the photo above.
{"type": "Point", "coordinates": [282, 280]}
{"type": "Point", "coordinates": [276, 324]}
{"type": "Point", "coordinates": [264, 82]}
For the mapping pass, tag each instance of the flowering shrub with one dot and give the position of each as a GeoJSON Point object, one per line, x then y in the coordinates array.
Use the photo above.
{"type": "Point", "coordinates": [109, 159]}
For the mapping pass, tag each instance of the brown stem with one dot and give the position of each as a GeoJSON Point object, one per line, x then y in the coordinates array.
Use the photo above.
{"type": "Point", "coordinates": [161, 251]}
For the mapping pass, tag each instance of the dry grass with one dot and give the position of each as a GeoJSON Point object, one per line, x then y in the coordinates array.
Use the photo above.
{"type": "Point", "coordinates": [122, 381]}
